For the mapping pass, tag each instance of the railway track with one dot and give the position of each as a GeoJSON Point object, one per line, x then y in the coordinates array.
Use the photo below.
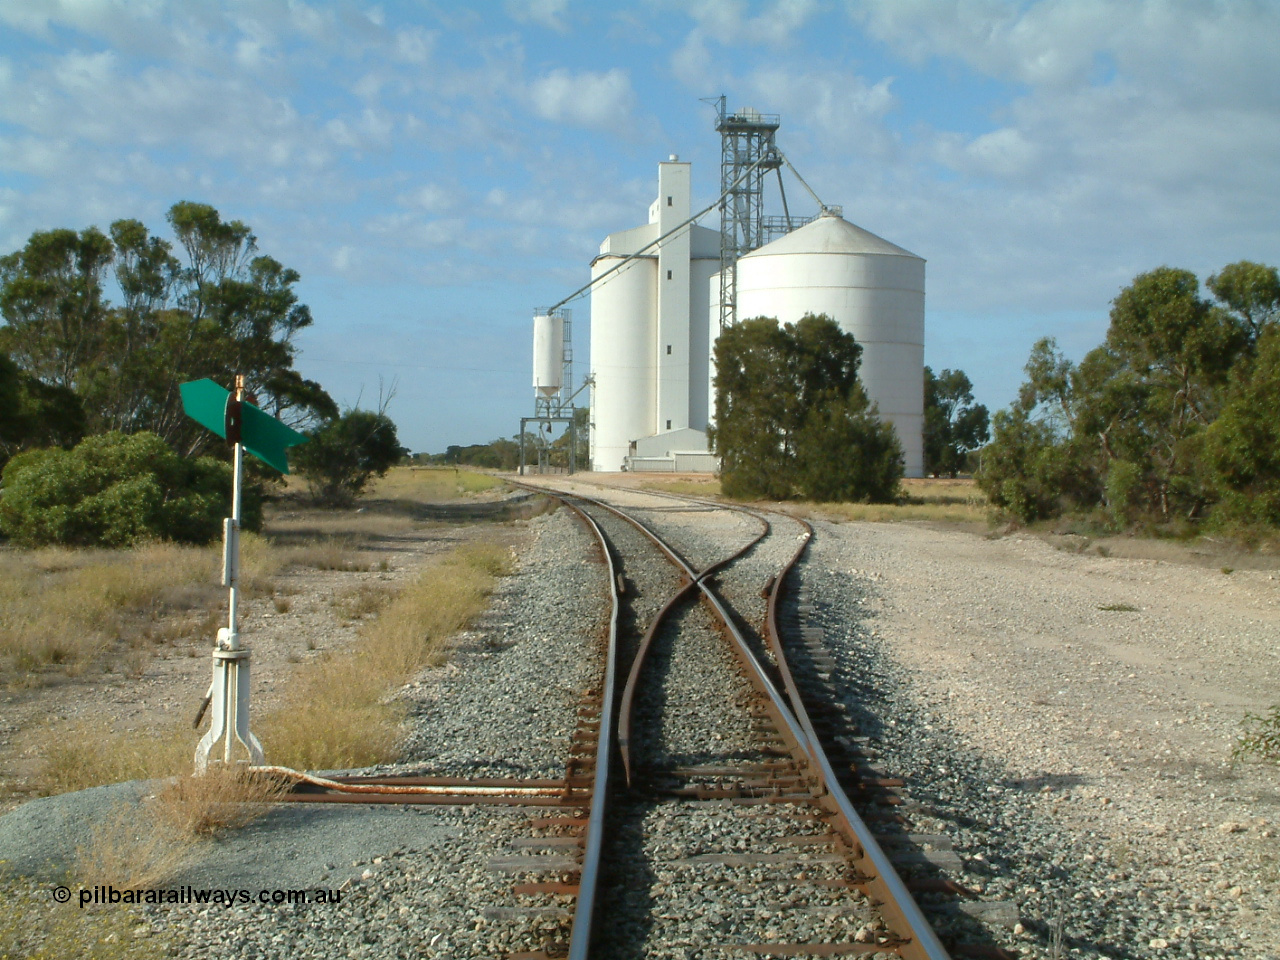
{"type": "Point", "coordinates": [704, 722]}
{"type": "Point", "coordinates": [705, 808]}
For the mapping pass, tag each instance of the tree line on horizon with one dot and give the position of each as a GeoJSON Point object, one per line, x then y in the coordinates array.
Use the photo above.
{"type": "Point", "coordinates": [1171, 423]}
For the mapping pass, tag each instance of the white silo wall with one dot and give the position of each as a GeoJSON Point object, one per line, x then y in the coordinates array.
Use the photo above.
{"type": "Point", "coordinates": [872, 289]}
{"type": "Point", "coordinates": [548, 354]}
{"type": "Point", "coordinates": [623, 359]}
{"type": "Point", "coordinates": [701, 394]}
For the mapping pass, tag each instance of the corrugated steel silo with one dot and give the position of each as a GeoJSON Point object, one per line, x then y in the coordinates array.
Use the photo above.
{"type": "Point", "coordinates": [872, 288]}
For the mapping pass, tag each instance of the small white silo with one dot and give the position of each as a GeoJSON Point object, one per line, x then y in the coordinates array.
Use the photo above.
{"type": "Point", "coordinates": [548, 354]}
{"type": "Point", "coordinates": [872, 288]}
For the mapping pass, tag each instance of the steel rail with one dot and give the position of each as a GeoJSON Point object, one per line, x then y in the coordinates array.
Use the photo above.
{"type": "Point", "coordinates": [882, 881]}
{"type": "Point", "coordinates": [588, 880]}
{"type": "Point", "coordinates": [896, 899]}
{"type": "Point", "coordinates": [776, 704]}
{"type": "Point", "coordinates": [627, 706]}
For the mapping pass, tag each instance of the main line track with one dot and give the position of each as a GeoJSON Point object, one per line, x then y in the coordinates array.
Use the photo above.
{"type": "Point", "coordinates": [698, 729]}
{"type": "Point", "coordinates": [805, 780]}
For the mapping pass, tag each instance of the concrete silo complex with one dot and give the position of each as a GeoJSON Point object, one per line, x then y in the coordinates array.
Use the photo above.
{"type": "Point", "coordinates": [650, 343]}
{"type": "Point", "coordinates": [665, 289]}
{"type": "Point", "coordinates": [872, 288]}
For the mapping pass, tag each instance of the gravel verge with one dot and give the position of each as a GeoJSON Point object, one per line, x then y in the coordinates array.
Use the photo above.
{"type": "Point", "coordinates": [424, 881]}
{"type": "Point", "coordinates": [1070, 719]}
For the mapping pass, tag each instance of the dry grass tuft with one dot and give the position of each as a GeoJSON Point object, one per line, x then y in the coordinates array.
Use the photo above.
{"type": "Point", "coordinates": [222, 799]}
{"type": "Point", "coordinates": [936, 500]}
{"type": "Point", "coordinates": [331, 553]}
{"type": "Point", "coordinates": [362, 600]}
{"type": "Point", "coordinates": [491, 558]}
{"type": "Point", "coordinates": [130, 850]}
{"type": "Point", "coordinates": [78, 756]}
{"type": "Point", "coordinates": [340, 712]}
{"type": "Point", "coordinates": [431, 484]}
{"type": "Point", "coordinates": [62, 608]}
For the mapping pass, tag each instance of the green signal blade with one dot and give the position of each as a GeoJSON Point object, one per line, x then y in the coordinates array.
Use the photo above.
{"type": "Point", "coordinates": [206, 403]}
{"type": "Point", "coordinates": [264, 436]}
{"type": "Point", "coordinates": [268, 439]}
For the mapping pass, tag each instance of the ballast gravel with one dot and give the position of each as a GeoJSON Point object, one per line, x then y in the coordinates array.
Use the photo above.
{"type": "Point", "coordinates": [1070, 721]}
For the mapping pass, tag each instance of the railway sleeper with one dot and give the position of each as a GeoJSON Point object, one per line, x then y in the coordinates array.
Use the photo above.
{"type": "Point", "coordinates": [819, 949]}
{"type": "Point", "coordinates": [559, 888]}
{"type": "Point", "coordinates": [537, 843]}
{"type": "Point", "coordinates": [541, 823]}
{"type": "Point", "coordinates": [530, 864]}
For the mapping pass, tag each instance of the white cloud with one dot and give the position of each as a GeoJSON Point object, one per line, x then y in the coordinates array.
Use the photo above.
{"type": "Point", "coordinates": [39, 17]}
{"type": "Point", "coordinates": [836, 108]}
{"type": "Point", "coordinates": [1046, 42]}
{"type": "Point", "coordinates": [372, 130]}
{"type": "Point", "coordinates": [1197, 48]}
{"type": "Point", "coordinates": [434, 199]}
{"type": "Point", "coordinates": [695, 67]}
{"type": "Point", "coordinates": [545, 13]}
{"type": "Point", "coordinates": [1005, 153]}
{"type": "Point", "coordinates": [409, 229]}
{"type": "Point", "coordinates": [729, 22]}
{"type": "Point", "coordinates": [415, 45]}
{"type": "Point", "coordinates": [586, 99]}
{"type": "Point", "coordinates": [1130, 134]}
{"type": "Point", "coordinates": [344, 258]}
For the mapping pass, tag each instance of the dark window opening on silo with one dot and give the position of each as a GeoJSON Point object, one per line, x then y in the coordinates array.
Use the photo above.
{"type": "Point", "coordinates": [668, 201]}
{"type": "Point", "coordinates": [668, 424]}
{"type": "Point", "coordinates": [668, 274]}
{"type": "Point", "coordinates": [668, 349]}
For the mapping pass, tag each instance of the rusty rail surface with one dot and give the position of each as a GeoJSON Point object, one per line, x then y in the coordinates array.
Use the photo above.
{"type": "Point", "coordinates": [916, 937]}
{"type": "Point", "coordinates": [882, 878]}
{"type": "Point", "coordinates": [637, 664]}
{"type": "Point", "coordinates": [588, 883]}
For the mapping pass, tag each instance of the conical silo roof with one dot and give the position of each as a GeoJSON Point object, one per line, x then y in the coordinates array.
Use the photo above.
{"type": "Point", "coordinates": [831, 234]}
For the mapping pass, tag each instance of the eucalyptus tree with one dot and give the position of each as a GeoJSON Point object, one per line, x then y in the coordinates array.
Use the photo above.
{"type": "Point", "coordinates": [213, 307]}
{"type": "Point", "coordinates": [792, 418]}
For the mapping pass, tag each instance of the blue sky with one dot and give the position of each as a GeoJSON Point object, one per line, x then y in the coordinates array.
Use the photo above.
{"type": "Point", "coordinates": [436, 170]}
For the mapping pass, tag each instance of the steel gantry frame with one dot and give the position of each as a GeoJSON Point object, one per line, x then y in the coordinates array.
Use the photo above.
{"type": "Point", "coordinates": [747, 153]}
{"type": "Point", "coordinates": [559, 407]}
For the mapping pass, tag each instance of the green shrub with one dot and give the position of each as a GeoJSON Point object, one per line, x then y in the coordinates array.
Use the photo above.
{"type": "Point", "coordinates": [1261, 738]}
{"type": "Point", "coordinates": [346, 453]}
{"type": "Point", "coordinates": [1024, 467]}
{"type": "Point", "coordinates": [844, 453]}
{"type": "Point", "coordinates": [792, 418]}
{"type": "Point", "coordinates": [1122, 491]}
{"type": "Point", "coordinates": [116, 490]}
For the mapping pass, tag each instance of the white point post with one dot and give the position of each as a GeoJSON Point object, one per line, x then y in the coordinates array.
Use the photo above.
{"type": "Point", "coordinates": [229, 723]}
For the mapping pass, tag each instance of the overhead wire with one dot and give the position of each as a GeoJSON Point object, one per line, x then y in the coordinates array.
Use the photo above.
{"type": "Point", "coordinates": [632, 257]}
